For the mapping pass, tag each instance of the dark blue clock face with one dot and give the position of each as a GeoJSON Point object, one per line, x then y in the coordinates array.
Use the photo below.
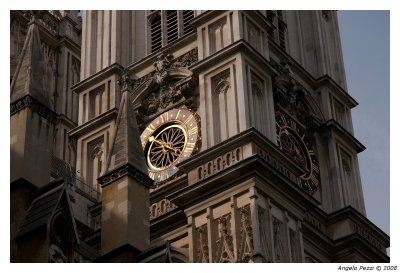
{"type": "Point", "coordinates": [293, 141]}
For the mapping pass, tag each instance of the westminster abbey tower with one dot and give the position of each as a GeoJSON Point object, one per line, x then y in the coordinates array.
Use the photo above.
{"type": "Point", "coordinates": [184, 136]}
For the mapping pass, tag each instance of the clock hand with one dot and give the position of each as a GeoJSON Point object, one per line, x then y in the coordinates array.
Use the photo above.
{"type": "Point", "coordinates": [163, 144]}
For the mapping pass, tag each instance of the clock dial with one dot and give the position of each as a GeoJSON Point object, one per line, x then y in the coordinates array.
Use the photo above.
{"type": "Point", "coordinates": [169, 139]}
{"type": "Point", "coordinates": [293, 141]}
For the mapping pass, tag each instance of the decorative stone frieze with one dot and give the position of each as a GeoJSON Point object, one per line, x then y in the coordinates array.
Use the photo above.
{"type": "Point", "coordinates": [34, 105]}
{"type": "Point", "coordinates": [161, 207]}
{"type": "Point", "coordinates": [370, 238]}
{"type": "Point", "coordinates": [126, 169]}
{"type": "Point", "coordinates": [220, 163]}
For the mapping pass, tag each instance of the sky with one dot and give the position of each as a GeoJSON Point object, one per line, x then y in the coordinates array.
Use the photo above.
{"type": "Point", "coordinates": [365, 37]}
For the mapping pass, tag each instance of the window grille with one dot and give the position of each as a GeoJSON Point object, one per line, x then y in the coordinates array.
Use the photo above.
{"type": "Point", "coordinates": [281, 35]}
{"type": "Point", "coordinates": [172, 26]}
{"type": "Point", "coordinates": [188, 15]}
{"type": "Point", "coordinates": [156, 39]}
{"type": "Point", "coordinates": [168, 26]}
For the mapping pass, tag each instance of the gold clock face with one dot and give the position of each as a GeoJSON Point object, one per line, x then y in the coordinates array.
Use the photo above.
{"type": "Point", "coordinates": [293, 141]}
{"type": "Point", "coordinates": [169, 139]}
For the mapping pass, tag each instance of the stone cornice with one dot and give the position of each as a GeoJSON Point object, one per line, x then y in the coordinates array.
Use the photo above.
{"type": "Point", "coordinates": [247, 136]}
{"type": "Point", "coordinates": [241, 172]}
{"type": "Point", "coordinates": [301, 72]}
{"type": "Point", "coordinates": [348, 139]}
{"type": "Point", "coordinates": [205, 17]}
{"type": "Point", "coordinates": [125, 170]}
{"type": "Point", "coordinates": [37, 107]}
{"type": "Point", "coordinates": [226, 52]}
{"type": "Point", "coordinates": [97, 77]}
{"type": "Point", "coordinates": [94, 123]}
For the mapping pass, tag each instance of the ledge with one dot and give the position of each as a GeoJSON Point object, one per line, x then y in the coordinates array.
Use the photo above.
{"type": "Point", "coordinates": [93, 123]}
{"type": "Point", "coordinates": [97, 77]}
{"type": "Point", "coordinates": [237, 46]}
{"type": "Point", "coordinates": [238, 173]}
{"type": "Point", "coordinates": [333, 126]}
{"type": "Point", "coordinates": [250, 135]}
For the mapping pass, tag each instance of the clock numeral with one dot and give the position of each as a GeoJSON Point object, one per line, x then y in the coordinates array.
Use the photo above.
{"type": "Point", "coordinates": [284, 120]}
{"type": "Point", "coordinates": [164, 174]}
{"type": "Point", "coordinates": [164, 117]}
{"type": "Point", "coordinates": [315, 168]}
{"type": "Point", "coordinates": [177, 115]}
{"type": "Point", "coordinates": [314, 179]}
{"type": "Point", "coordinates": [293, 124]}
{"type": "Point", "coordinates": [189, 118]}
{"type": "Point", "coordinates": [192, 131]}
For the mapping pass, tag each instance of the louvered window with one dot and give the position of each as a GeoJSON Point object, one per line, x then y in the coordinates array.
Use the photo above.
{"type": "Point", "coordinates": [188, 15]}
{"type": "Point", "coordinates": [156, 38]}
{"type": "Point", "coordinates": [281, 34]}
{"type": "Point", "coordinates": [168, 26]}
{"type": "Point", "coordinates": [172, 26]}
{"type": "Point", "coordinates": [278, 34]}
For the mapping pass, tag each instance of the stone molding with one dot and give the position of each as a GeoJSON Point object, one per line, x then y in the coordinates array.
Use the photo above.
{"type": "Point", "coordinates": [161, 207]}
{"type": "Point", "coordinates": [37, 107]}
{"type": "Point", "coordinates": [122, 171]}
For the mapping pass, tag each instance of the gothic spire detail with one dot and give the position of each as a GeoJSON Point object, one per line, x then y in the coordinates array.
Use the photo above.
{"type": "Point", "coordinates": [126, 146]}
{"type": "Point", "coordinates": [29, 77]}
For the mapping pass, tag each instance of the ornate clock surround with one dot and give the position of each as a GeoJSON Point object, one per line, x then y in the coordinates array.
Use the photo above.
{"type": "Point", "coordinates": [169, 139]}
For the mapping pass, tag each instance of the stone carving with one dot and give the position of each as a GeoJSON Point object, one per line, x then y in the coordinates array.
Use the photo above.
{"type": "Point", "coordinates": [126, 82]}
{"type": "Point", "coordinates": [34, 105]}
{"type": "Point", "coordinates": [256, 85]}
{"type": "Point", "coordinates": [278, 244]}
{"type": "Point", "coordinates": [370, 238]}
{"type": "Point", "coordinates": [246, 236]}
{"type": "Point", "coordinates": [202, 244]}
{"type": "Point", "coordinates": [56, 255]}
{"type": "Point", "coordinates": [164, 90]}
{"type": "Point", "coordinates": [295, 246]}
{"type": "Point", "coordinates": [326, 14]}
{"type": "Point", "coordinates": [224, 245]}
{"type": "Point", "coordinates": [126, 169]}
{"type": "Point", "coordinates": [290, 95]}
{"type": "Point", "coordinates": [253, 34]}
{"type": "Point", "coordinates": [186, 59]}
{"type": "Point", "coordinates": [265, 234]}
{"type": "Point", "coordinates": [278, 166]}
{"type": "Point", "coordinates": [222, 84]}
{"type": "Point", "coordinates": [161, 207]}
{"type": "Point", "coordinates": [220, 163]}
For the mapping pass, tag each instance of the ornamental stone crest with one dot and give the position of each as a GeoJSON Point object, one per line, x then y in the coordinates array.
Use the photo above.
{"type": "Point", "coordinates": [169, 84]}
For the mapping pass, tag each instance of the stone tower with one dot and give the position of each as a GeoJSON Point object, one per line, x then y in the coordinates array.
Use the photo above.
{"type": "Point", "coordinates": [217, 136]}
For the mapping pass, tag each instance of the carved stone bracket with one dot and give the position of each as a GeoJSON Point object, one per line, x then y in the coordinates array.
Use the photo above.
{"type": "Point", "coordinates": [124, 170]}
{"type": "Point", "coordinates": [34, 105]}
